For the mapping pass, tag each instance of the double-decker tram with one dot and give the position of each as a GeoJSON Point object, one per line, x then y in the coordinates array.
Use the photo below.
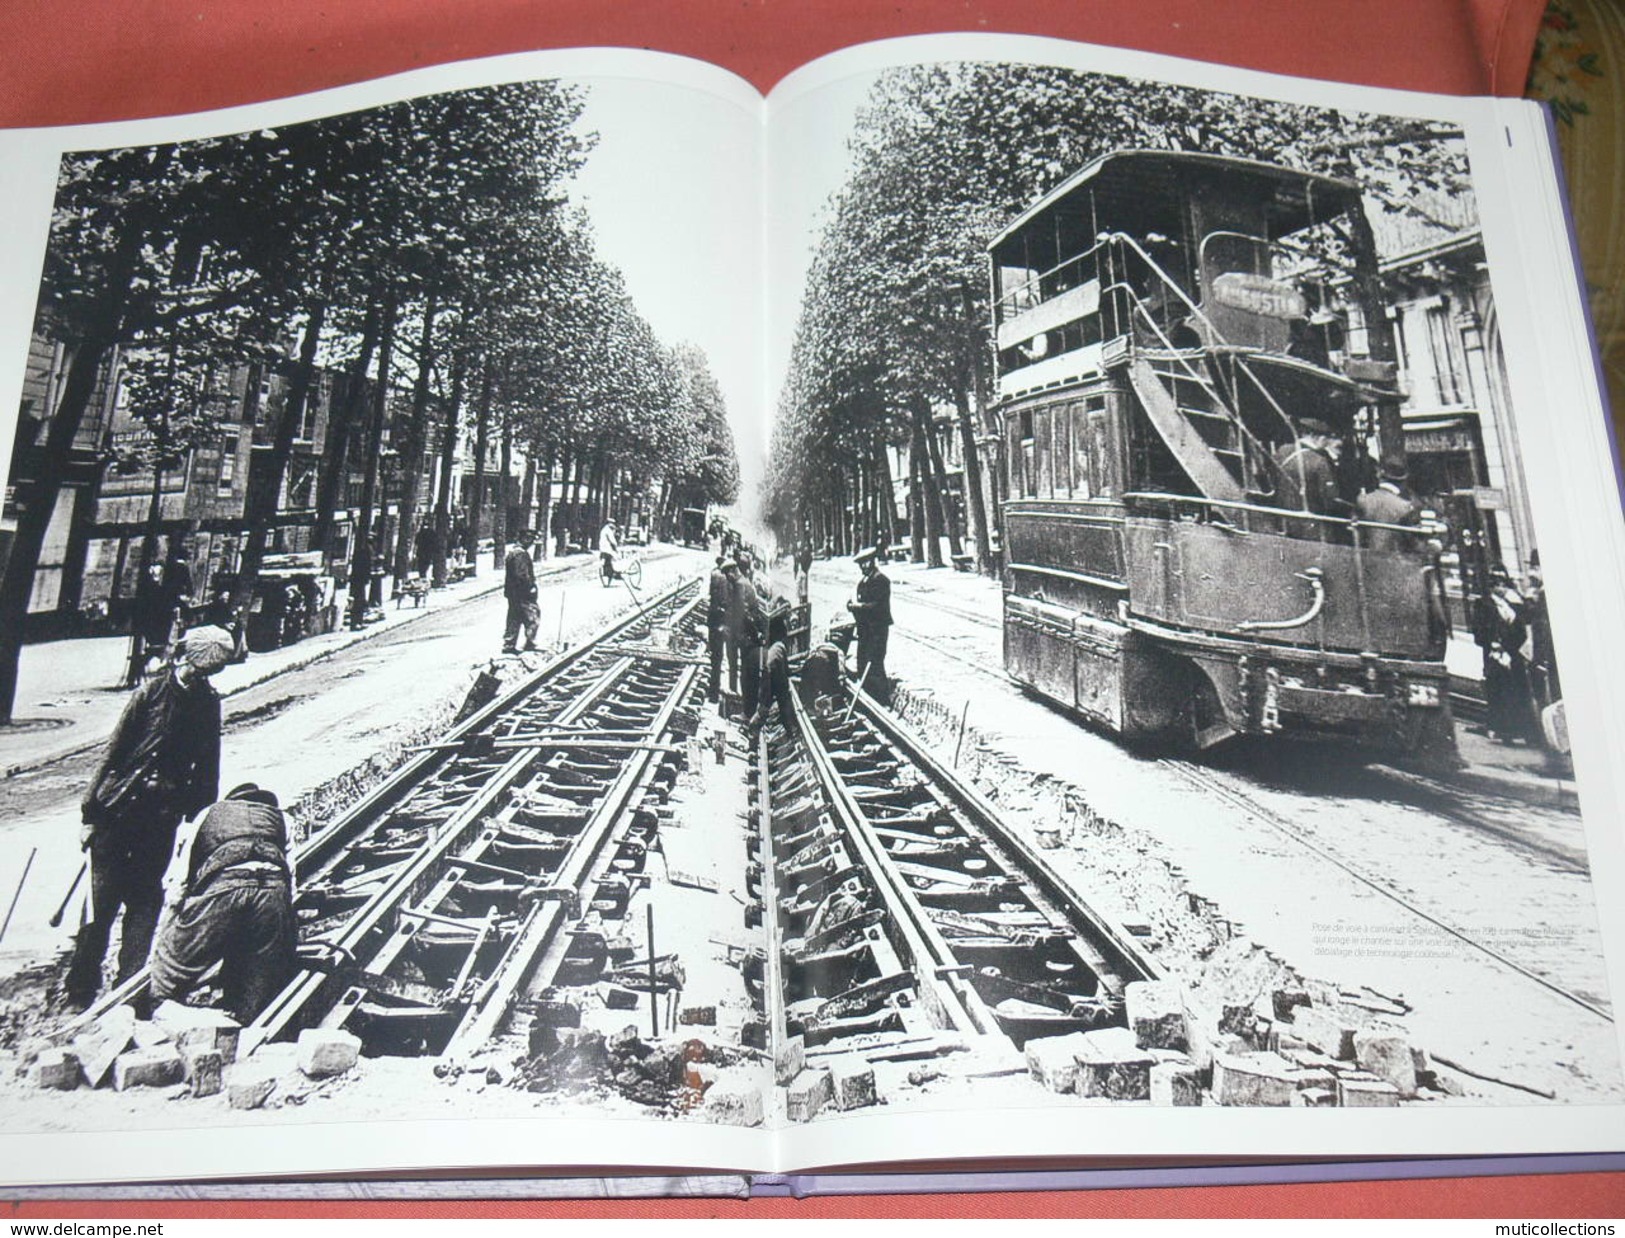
{"type": "Point", "coordinates": [1179, 564]}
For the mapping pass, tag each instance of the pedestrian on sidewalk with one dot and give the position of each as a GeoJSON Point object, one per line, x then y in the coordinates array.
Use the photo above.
{"type": "Point", "coordinates": [1508, 698]}
{"type": "Point", "coordinates": [162, 765]}
{"type": "Point", "coordinates": [871, 610]}
{"type": "Point", "coordinates": [152, 623]}
{"type": "Point", "coordinates": [232, 905]}
{"type": "Point", "coordinates": [424, 548]}
{"type": "Point", "coordinates": [519, 587]}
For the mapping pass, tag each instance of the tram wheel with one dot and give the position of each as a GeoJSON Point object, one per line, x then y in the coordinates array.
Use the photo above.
{"type": "Point", "coordinates": [1203, 722]}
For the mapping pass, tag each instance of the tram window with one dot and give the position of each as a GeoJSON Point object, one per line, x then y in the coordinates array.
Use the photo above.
{"type": "Point", "coordinates": [1044, 482]}
{"type": "Point", "coordinates": [1063, 451]}
{"type": "Point", "coordinates": [1082, 482]}
{"type": "Point", "coordinates": [1021, 456]}
{"type": "Point", "coordinates": [1100, 445]}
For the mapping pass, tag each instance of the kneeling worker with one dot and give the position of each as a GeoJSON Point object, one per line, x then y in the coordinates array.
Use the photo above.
{"type": "Point", "coordinates": [775, 679]}
{"type": "Point", "coordinates": [235, 907]}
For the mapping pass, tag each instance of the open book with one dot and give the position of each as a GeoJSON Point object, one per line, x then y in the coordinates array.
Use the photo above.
{"type": "Point", "coordinates": [1260, 414]}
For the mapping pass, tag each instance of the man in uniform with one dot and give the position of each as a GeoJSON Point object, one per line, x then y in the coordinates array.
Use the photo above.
{"type": "Point", "coordinates": [519, 587]}
{"type": "Point", "coordinates": [233, 906]}
{"type": "Point", "coordinates": [1387, 503]}
{"type": "Point", "coordinates": [162, 765]}
{"type": "Point", "coordinates": [1308, 471]}
{"type": "Point", "coordinates": [871, 610]}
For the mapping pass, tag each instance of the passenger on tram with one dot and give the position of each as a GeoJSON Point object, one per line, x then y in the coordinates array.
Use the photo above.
{"type": "Point", "coordinates": [1387, 503]}
{"type": "Point", "coordinates": [1308, 471]}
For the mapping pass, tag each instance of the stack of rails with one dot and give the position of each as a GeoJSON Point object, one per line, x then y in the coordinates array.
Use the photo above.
{"type": "Point", "coordinates": [904, 906]}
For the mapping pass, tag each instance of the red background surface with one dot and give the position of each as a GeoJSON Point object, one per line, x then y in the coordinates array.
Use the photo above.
{"type": "Point", "coordinates": [81, 60]}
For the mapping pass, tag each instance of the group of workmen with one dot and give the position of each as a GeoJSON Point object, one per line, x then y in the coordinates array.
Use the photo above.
{"type": "Point", "coordinates": [217, 893]}
{"type": "Point", "coordinates": [749, 629]}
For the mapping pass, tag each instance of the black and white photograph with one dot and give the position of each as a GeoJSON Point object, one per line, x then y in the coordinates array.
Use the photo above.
{"type": "Point", "coordinates": [1215, 752]}
{"type": "Point", "coordinates": [640, 625]}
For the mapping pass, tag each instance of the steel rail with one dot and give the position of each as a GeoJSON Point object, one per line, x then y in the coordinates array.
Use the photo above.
{"type": "Point", "coordinates": [918, 942]}
{"type": "Point", "coordinates": [1121, 953]}
{"type": "Point", "coordinates": [772, 928]}
{"type": "Point", "coordinates": [339, 833]}
{"type": "Point", "coordinates": [318, 854]}
{"type": "Point", "coordinates": [1202, 779]}
{"type": "Point", "coordinates": [427, 878]}
{"type": "Point", "coordinates": [537, 945]}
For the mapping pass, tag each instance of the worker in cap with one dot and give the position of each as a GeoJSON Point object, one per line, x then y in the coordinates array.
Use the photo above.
{"type": "Point", "coordinates": [821, 674]}
{"type": "Point", "coordinates": [871, 613]}
{"type": "Point", "coordinates": [519, 589]}
{"type": "Point", "coordinates": [774, 688]}
{"type": "Point", "coordinates": [232, 905]}
{"type": "Point", "coordinates": [716, 624]}
{"type": "Point", "coordinates": [747, 629]}
{"type": "Point", "coordinates": [161, 766]}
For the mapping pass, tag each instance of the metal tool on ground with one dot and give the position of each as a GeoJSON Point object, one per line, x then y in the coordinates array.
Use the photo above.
{"type": "Point", "coordinates": [21, 881]}
{"type": "Point", "coordinates": [62, 908]}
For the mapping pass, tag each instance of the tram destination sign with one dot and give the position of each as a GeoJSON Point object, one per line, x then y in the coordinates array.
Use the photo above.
{"type": "Point", "coordinates": [1258, 294]}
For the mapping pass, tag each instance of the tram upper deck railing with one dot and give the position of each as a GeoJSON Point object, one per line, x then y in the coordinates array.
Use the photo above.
{"type": "Point", "coordinates": [1256, 518]}
{"type": "Point", "coordinates": [1048, 329]}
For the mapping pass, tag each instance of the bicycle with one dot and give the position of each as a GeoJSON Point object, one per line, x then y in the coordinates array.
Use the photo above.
{"type": "Point", "coordinates": [622, 567]}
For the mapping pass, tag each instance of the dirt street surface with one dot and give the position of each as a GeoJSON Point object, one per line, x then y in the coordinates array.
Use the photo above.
{"type": "Point", "coordinates": [300, 730]}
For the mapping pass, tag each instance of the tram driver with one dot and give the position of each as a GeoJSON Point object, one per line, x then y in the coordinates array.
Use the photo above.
{"type": "Point", "coordinates": [1308, 471]}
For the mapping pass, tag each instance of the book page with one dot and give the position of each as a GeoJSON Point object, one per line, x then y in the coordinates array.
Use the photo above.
{"type": "Point", "coordinates": [1230, 785]}
{"type": "Point", "coordinates": [359, 438]}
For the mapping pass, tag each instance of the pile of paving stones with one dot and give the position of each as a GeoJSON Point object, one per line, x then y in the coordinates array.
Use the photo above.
{"type": "Point", "coordinates": [192, 1050]}
{"type": "Point", "coordinates": [1287, 1048]}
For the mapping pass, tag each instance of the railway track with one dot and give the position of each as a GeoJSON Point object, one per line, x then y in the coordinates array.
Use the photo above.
{"type": "Point", "coordinates": [906, 914]}
{"type": "Point", "coordinates": [1421, 792]}
{"type": "Point", "coordinates": [499, 861]}
{"type": "Point", "coordinates": [1214, 784]}
{"type": "Point", "coordinates": [1440, 797]}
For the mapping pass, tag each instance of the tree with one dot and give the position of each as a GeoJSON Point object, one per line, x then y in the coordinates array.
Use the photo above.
{"type": "Point", "coordinates": [142, 241]}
